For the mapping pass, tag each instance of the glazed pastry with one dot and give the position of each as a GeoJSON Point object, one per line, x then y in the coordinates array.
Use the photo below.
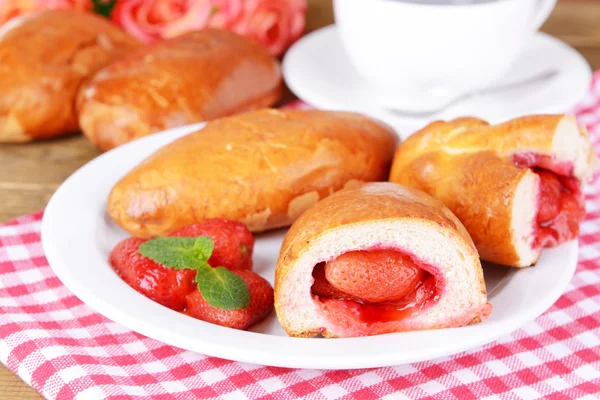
{"type": "Point", "coordinates": [44, 58]}
{"type": "Point", "coordinates": [516, 186]}
{"type": "Point", "coordinates": [191, 78]}
{"type": "Point", "coordinates": [263, 168]}
{"type": "Point", "coordinates": [377, 258]}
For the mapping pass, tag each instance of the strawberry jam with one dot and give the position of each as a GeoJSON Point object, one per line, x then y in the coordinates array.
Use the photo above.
{"type": "Point", "coordinates": [561, 209]}
{"type": "Point", "coordinates": [561, 205]}
{"type": "Point", "coordinates": [372, 286]}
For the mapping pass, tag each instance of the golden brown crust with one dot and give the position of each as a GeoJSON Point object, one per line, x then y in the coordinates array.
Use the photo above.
{"type": "Point", "coordinates": [195, 77]}
{"type": "Point", "coordinates": [43, 60]}
{"type": "Point", "coordinates": [468, 165]}
{"type": "Point", "coordinates": [364, 203]}
{"type": "Point", "coordinates": [479, 188]}
{"type": "Point", "coordinates": [470, 134]}
{"type": "Point", "coordinates": [263, 168]}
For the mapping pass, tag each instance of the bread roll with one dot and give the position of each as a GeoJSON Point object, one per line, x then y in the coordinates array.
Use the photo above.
{"type": "Point", "coordinates": [191, 78]}
{"type": "Point", "coordinates": [375, 217]}
{"type": "Point", "coordinates": [44, 57]}
{"type": "Point", "coordinates": [263, 168]}
{"type": "Point", "coordinates": [490, 176]}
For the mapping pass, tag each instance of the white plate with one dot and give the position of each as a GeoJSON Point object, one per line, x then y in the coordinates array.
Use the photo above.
{"type": "Point", "coordinates": [78, 235]}
{"type": "Point", "coordinates": [317, 69]}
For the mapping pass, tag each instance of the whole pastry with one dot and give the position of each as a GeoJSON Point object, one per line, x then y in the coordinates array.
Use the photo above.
{"type": "Point", "coordinates": [195, 77]}
{"type": "Point", "coordinates": [516, 186]}
{"type": "Point", "coordinates": [263, 168]}
{"type": "Point", "coordinates": [44, 58]}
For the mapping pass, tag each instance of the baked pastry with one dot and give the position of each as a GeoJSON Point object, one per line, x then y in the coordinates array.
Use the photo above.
{"type": "Point", "coordinates": [44, 58]}
{"type": "Point", "coordinates": [516, 186]}
{"type": "Point", "coordinates": [337, 273]}
{"type": "Point", "coordinates": [263, 168]}
{"type": "Point", "coordinates": [191, 78]}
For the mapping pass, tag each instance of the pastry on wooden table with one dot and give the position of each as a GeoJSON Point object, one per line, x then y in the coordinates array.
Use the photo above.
{"type": "Point", "coordinates": [516, 186]}
{"type": "Point", "coordinates": [44, 58]}
{"type": "Point", "coordinates": [262, 168]}
{"type": "Point", "coordinates": [191, 78]}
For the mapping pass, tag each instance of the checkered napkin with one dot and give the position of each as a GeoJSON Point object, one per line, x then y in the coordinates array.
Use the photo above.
{"type": "Point", "coordinates": [64, 349]}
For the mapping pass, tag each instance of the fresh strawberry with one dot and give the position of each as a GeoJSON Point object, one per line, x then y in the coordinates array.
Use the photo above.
{"type": "Point", "coordinates": [166, 286]}
{"type": "Point", "coordinates": [322, 288]}
{"type": "Point", "coordinates": [233, 242]}
{"type": "Point", "coordinates": [261, 304]}
{"type": "Point", "coordinates": [374, 276]}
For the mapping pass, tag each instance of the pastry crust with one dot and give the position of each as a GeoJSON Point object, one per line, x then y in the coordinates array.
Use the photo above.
{"type": "Point", "coordinates": [471, 167]}
{"type": "Point", "coordinates": [45, 57]}
{"type": "Point", "coordinates": [263, 168]}
{"type": "Point", "coordinates": [195, 77]}
{"type": "Point", "coordinates": [387, 215]}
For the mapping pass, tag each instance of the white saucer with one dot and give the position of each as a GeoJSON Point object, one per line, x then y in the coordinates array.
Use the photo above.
{"type": "Point", "coordinates": [318, 71]}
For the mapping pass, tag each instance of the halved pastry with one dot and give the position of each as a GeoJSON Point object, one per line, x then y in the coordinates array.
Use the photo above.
{"type": "Point", "coordinates": [377, 258]}
{"type": "Point", "coordinates": [516, 186]}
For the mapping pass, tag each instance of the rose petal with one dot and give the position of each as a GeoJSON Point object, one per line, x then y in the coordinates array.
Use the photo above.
{"type": "Point", "coordinates": [195, 18]}
{"type": "Point", "coordinates": [125, 14]}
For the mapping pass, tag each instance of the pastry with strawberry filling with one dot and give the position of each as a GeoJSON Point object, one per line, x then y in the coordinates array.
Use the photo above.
{"type": "Point", "coordinates": [517, 186]}
{"type": "Point", "coordinates": [374, 259]}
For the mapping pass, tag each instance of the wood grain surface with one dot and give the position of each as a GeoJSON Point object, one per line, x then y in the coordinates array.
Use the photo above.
{"type": "Point", "coordinates": [30, 173]}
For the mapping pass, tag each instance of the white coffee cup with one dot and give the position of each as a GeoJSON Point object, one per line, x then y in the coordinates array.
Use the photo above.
{"type": "Point", "coordinates": [419, 54]}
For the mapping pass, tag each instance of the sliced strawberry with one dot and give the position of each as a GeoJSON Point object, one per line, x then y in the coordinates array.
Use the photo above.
{"type": "Point", "coordinates": [565, 226]}
{"type": "Point", "coordinates": [322, 288]}
{"type": "Point", "coordinates": [233, 242]}
{"type": "Point", "coordinates": [261, 304]}
{"type": "Point", "coordinates": [374, 276]}
{"type": "Point", "coordinates": [549, 196]}
{"type": "Point", "coordinates": [166, 286]}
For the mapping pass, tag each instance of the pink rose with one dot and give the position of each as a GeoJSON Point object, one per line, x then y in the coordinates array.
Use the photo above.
{"type": "Point", "coordinates": [276, 24]}
{"type": "Point", "coordinates": [149, 20]}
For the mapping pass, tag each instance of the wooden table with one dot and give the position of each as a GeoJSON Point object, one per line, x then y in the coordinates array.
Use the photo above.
{"type": "Point", "coordinates": [30, 173]}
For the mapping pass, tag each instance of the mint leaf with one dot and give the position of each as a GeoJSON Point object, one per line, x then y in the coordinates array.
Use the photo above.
{"type": "Point", "coordinates": [222, 288]}
{"type": "Point", "coordinates": [179, 252]}
{"type": "Point", "coordinates": [103, 7]}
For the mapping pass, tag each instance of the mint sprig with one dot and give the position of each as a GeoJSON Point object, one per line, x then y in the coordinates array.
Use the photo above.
{"type": "Point", "coordinates": [179, 252]}
{"type": "Point", "coordinates": [220, 287]}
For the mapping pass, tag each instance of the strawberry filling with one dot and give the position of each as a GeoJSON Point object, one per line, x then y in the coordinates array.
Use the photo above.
{"type": "Point", "coordinates": [561, 209]}
{"type": "Point", "coordinates": [373, 286]}
{"type": "Point", "coordinates": [561, 204]}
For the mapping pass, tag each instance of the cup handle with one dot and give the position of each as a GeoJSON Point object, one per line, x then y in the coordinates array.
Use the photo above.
{"type": "Point", "coordinates": [541, 13]}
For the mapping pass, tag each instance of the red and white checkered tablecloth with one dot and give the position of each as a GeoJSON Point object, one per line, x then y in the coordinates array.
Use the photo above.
{"type": "Point", "coordinates": [64, 349]}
